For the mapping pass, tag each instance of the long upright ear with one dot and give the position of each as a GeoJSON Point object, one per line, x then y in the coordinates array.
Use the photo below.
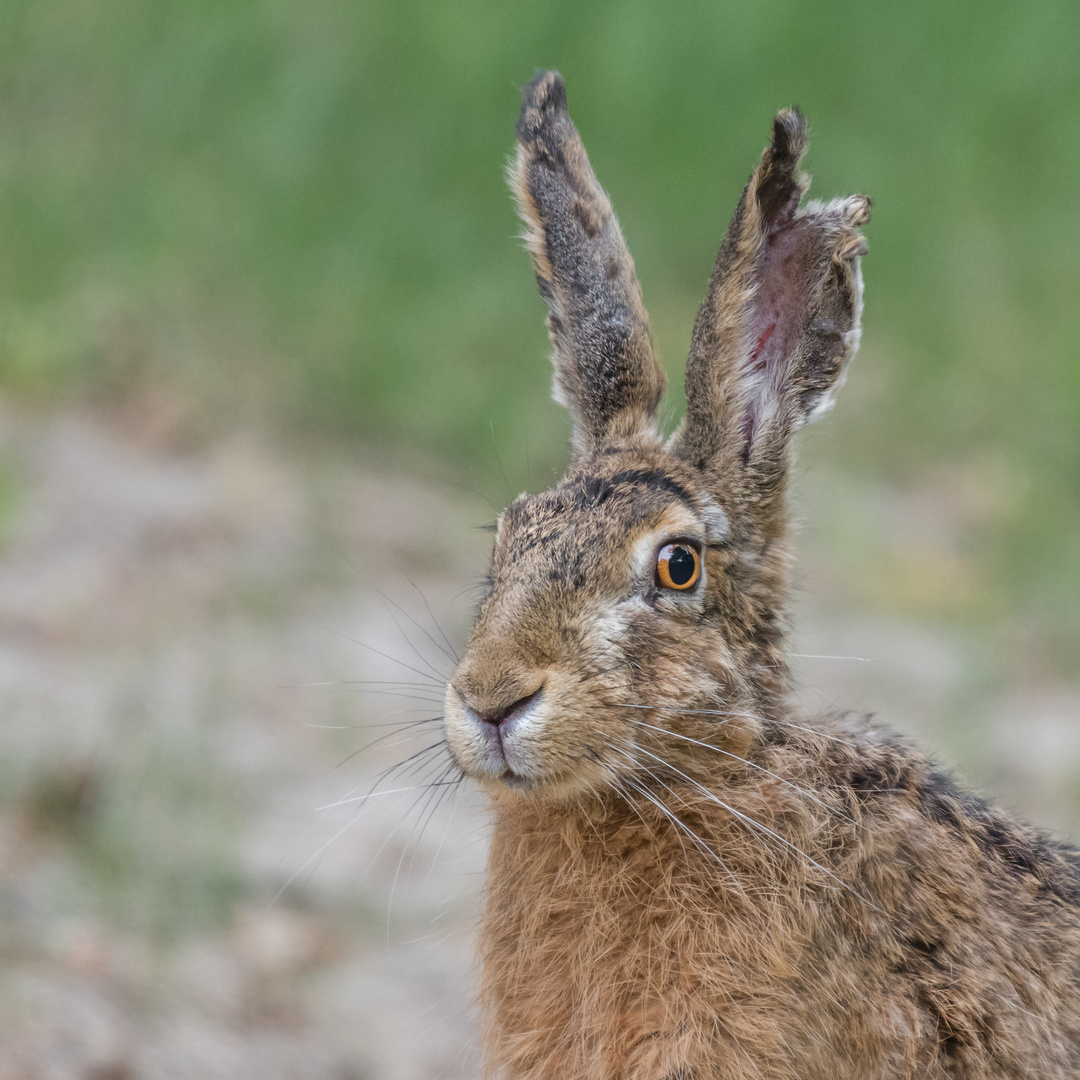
{"type": "Point", "coordinates": [605, 371]}
{"type": "Point", "coordinates": [779, 323]}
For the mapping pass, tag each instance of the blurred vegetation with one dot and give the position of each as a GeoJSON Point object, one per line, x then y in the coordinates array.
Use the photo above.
{"type": "Point", "coordinates": [295, 214]}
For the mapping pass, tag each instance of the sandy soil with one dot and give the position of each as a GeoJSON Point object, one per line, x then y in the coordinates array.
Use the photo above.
{"type": "Point", "coordinates": [183, 640]}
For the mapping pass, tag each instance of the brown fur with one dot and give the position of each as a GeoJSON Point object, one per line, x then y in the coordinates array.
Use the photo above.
{"type": "Point", "coordinates": [688, 878]}
{"type": "Point", "coordinates": [605, 370]}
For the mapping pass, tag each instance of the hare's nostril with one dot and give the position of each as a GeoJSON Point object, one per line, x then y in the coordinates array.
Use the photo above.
{"type": "Point", "coordinates": [495, 717]}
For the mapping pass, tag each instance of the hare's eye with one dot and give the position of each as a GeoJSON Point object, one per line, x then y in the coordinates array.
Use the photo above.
{"type": "Point", "coordinates": [678, 566]}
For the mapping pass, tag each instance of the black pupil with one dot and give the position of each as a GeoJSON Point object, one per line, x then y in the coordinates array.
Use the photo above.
{"type": "Point", "coordinates": [681, 565]}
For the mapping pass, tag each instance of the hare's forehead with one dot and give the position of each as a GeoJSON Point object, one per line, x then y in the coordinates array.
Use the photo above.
{"type": "Point", "coordinates": [589, 520]}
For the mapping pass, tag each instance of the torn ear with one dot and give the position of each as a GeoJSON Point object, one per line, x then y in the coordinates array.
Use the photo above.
{"type": "Point", "coordinates": [777, 327]}
{"type": "Point", "coordinates": [605, 371]}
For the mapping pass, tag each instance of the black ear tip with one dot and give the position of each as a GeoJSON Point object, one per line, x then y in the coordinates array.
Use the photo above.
{"type": "Point", "coordinates": [789, 134]}
{"type": "Point", "coordinates": [543, 98]}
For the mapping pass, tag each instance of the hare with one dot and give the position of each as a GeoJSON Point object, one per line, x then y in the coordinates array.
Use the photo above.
{"type": "Point", "coordinates": [689, 878]}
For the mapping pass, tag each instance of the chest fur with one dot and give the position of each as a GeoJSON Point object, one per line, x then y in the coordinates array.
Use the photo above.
{"type": "Point", "coordinates": [597, 931]}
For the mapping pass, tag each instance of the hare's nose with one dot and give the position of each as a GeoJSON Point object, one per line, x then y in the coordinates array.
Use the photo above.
{"type": "Point", "coordinates": [494, 714]}
{"type": "Point", "coordinates": [496, 717]}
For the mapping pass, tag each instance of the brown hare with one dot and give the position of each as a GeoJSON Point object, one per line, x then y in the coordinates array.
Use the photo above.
{"type": "Point", "coordinates": [688, 877]}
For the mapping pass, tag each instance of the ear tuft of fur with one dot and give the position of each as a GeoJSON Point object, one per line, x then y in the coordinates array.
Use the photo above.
{"type": "Point", "coordinates": [779, 185]}
{"type": "Point", "coordinates": [543, 100]}
{"type": "Point", "coordinates": [789, 136]}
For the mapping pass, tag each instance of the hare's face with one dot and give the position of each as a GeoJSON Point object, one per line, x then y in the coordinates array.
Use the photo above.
{"type": "Point", "coordinates": [604, 624]}
{"type": "Point", "coordinates": [634, 614]}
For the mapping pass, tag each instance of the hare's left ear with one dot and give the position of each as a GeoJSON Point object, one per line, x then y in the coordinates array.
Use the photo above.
{"type": "Point", "coordinates": [605, 371]}
{"type": "Point", "coordinates": [779, 323]}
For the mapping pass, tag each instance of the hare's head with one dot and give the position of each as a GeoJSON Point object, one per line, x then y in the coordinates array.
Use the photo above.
{"type": "Point", "coordinates": [639, 602]}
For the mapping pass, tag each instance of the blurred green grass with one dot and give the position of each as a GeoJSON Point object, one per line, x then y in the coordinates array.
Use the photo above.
{"type": "Point", "coordinates": [296, 215]}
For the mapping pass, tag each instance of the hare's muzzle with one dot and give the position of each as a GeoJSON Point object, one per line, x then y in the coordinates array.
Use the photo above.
{"type": "Point", "coordinates": [485, 730]}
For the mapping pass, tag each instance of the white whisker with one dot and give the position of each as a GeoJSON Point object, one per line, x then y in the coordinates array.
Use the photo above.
{"type": "Point", "coordinates": [673, 817]}
{"type": "Point", "coordinates": [819, 656]}
{"type": "Point", "coordinates": [751, 823]}
{"type": "Point", "coordinates": [369, 795]}
{"type": "Point", "coordinates": [725, 713]}
{"type": "Point", "coordinates": [753, 765]}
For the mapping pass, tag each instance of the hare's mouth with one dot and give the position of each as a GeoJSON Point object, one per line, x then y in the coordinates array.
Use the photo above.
{"type": "Point", "coordinates": [538, 737]}
{"type": "Point", "coordinates": [491, 742]}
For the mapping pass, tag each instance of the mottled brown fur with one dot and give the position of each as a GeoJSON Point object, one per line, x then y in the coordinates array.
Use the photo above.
{"type": "Point", "coordinates": [605, 370]}
{"type": "Point", "coordinates": [689, 879]}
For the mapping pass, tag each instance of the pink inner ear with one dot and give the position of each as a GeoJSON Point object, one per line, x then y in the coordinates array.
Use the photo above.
{"type": "Point", "coordinates": [777, 311]}
{"type": "Point", "coordinates": [758, 361]}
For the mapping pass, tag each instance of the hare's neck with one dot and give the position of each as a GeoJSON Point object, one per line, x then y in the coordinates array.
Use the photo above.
{"type": "Point", "coordinates": [588, 913]}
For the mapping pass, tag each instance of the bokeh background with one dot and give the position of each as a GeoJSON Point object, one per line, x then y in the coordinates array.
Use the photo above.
{"type": "Point", "coordinates": [270, 351]}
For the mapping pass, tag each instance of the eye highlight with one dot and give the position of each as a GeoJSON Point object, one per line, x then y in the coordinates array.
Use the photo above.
{"type": "Point", "coordinates": [678, 566]}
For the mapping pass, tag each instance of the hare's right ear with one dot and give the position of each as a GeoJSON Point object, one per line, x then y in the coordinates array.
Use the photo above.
{"type": "Point", "coordinates": [605, 371]}
{"type": "Point", "coordinates": [779, 323]}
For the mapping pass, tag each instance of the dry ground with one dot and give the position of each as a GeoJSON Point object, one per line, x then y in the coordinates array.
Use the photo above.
{"type": "Point", "coordinates": [182, 633]}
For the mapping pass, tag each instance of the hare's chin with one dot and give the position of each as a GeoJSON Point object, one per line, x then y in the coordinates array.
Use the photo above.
{"type": "Point", "coordinates": [516, 780]}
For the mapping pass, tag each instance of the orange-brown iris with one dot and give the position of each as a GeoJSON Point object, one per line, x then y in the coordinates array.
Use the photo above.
{"type": "Point", "coordinates": [678, 566]}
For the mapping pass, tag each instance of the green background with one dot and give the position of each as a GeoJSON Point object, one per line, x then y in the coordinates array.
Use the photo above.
{"type": "Point", "coordinates": [295, 216]}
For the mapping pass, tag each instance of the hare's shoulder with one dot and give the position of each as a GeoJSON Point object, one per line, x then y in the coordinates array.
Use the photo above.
{"type": "Point", "coordinates": [893, 789]}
